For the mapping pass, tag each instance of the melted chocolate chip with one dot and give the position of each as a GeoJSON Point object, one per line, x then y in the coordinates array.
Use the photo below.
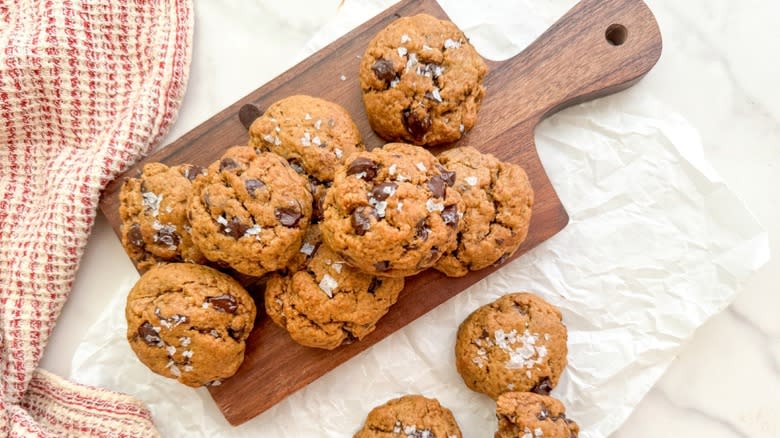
{"type": "Point", "coordinates": [543, 388]}
{"type": "Point", "coordinates": [437, 186]}
{"type": "Point", "coordinates": [247, 114]}
{"type": "Point", "coordinates": [224, 303]}
{"type": "Point", "coordinates": [147, 332]}
{"type": "Point", "coordinates": [363, 166]}
{"type": "Point", "coordinates": [446, 175]}
{"type": "Point", "coordinates": [134, 236]}
{"type": "Point", "coordinates": [416, 125]}
{"type": "Point", "coordinates": [167, 236]}
{"type": "Point", "coordinates": [361, 219]}
{"type": "Point", "coordinates": [253, 185]}
{"type": "Point", "coordinates": [384, 70]}
{"type": "Point", "coordinates": [227, 164]}
{"type": "Point", "coordinates": [383, 191]}
{"type": "Point", "coordinates": [382, 266]}
{"type": "Point", "coordinates": [235, 228]}
{"type": "Point", "coordinates": [503, 258]}
{"type": "Point", "coordinates": [422, 230]}
{"type": "Point", "coordinates": [288, 217]}
{"type": "Point", "coordinates": [376, 283]}
{"type": "Point", "coordinates": [450, 216]}
{"type": "Point", "coordinates": [235, 334]}
{"type": "Point", "coordinates": [193, 172]}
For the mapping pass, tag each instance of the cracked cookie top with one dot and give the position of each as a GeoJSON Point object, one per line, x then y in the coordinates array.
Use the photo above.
{"type": "Point", "coordinates": [516, 343]}
{"type": "Point", "coordinates": [410, 416]}
{"type": "Point", "coordinates": [189, 322]}
{"type": "Point", "coordinates": [422, 81]}
{"type": "Point", "coordinates": [327, 303]}
{"type": "Point", "coordinates": [153, 210]}
{"type": "Point", "coordinates": [497, 202]}
{"type": "Point", "coordinates": [250, 212]}
{"type": "Point", "coordinates": [392, 211]}
{"type": "Point", "coordinates": [529, 415]}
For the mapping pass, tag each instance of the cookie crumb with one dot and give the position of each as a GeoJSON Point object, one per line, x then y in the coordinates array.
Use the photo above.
{"type": "Point", "coordinates": [343, 78]}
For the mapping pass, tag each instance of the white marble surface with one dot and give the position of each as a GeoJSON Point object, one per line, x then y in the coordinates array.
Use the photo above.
{"type": "Point", "coordinates": [717, 70]}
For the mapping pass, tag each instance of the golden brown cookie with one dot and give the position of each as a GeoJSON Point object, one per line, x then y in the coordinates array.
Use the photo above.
{"type": "Point", "coordinates": [410, 416]}
{"type": "Point", "coordinates": [250, 212]}
{"type": "Point", "coordinates": [392, 211]}
{"type": "Point", "coordinates": [529, 415]}
{"type": "Point", "coordinates": [516, 343]}
{"type": "Point", "coordinates": [153, 210]}
{"type": "Point", "coordinates": [328, 303]}
{"type": "Point", "coordinates": [189, 322]}
{"type": "Point", "coordinates": [497, 199]}
{"type": "Point", "coordinates": [311, 133]}
{"type": "Point", "coordinates": [422, 81]}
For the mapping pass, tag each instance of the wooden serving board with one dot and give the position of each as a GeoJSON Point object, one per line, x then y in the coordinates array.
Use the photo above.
{"type": "Point", "coordinates": [597, 48]}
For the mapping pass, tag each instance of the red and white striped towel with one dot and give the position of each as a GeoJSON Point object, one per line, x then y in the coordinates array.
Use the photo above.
{"type": "Point", "coordinates": [86, 88]}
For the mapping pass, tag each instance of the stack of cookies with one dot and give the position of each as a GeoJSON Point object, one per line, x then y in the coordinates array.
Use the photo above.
{"type": "Point", "coordinates": [331, 229]}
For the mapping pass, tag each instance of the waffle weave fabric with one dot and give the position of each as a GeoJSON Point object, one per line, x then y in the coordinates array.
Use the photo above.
{"type": "Point", "coordinates": [86, 88]}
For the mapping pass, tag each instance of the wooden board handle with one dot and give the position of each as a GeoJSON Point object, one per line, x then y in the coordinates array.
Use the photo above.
{"type": "Point", "coordinates": [599, 47]}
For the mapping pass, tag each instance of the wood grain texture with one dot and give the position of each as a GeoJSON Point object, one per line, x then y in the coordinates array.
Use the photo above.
{"type": "Point", "coordinates": [572, 62]}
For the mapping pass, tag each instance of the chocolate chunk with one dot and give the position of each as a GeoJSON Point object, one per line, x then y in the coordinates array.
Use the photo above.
{"type": "Point", "coordinates": [503, 258]}
{"type": "Point", "coordinates": [499, 241]}
{"type": "Point", "coordinates": [227, 164]}
{"type": "Point", "coordinates": [543, 388]}
{"type": "Point", "coordinates": [384, 70]}
{"type": "Point", "coordinates": [134, 236]}
{"type": "Point", "coordinates": [318, 212]}
{"type": "Point", "coordinates": [289, 217]}
{"type": "Point", "coordinates": [234, 228]}
{"type": "Point", "coordinates": [224, 303]}
{"type": "Point", "coordinates": [376, 283]}
{"type": "Point", "coordinates": [446, 175]}
{"type": "Point", "coordinates": [147, 332]}
{"type": "Point", "coordinates": [416, 124]}
{"type": "Point", "coordinates": [350, 339]}
{"type": "Point", "coordinates": [296, 165]}
{"type": "Point", "coordinates": [437, 186]}
{"type": "Point", "coordinates": [450, 216]}
{"type": "Point", "coordinates": [247, 114]}
{"type": "Point", "coordinates": [252, 185]}
{"type": "Point", "coordinates": [235, 334]}
{"type": "Point", "coordinates": [422, 230]}
{"type": "Point", "coordinates": [194, 171]}
{"type": "Point", "coordinates": [382, 266]}
{"type": "Point", "coordinates": [361, 219]}
{"type": "Point", "coordinates": [383, 191]}
{"type": "Point", "coordinates": [168, 236]}
{"type": "Point", "coordinates": [363, 166]}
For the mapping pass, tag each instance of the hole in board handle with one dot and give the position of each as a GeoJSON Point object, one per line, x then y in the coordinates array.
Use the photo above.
{"type": "Point", "coordinates": [617, 34]}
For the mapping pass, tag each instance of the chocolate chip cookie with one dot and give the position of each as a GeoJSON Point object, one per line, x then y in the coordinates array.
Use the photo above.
{"type": "Point", "coordinates": [189, 322]}
{"type": "Point", "coordinates": [497, 199]}
{"type": "Point", "coordinates": [250, 212]}
{"type": "Point", "coordinates": [153, 210]}
{"type": "Point", "coordinates": [410, 416]}
{"type": "Point", "coordinates": [516, 343]}
{"type": "Point", "coordinates": [528, 415]}
{"type": "Point", "coordinates": [313, 134]}
{"type": "Point", "coordinates": [392, 211]}
{"type": "Point", "coordinates": [422, 81]}
{"type": "Point", "coordinates": [328, 303]}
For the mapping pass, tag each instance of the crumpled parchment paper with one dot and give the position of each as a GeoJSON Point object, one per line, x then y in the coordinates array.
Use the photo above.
{"type": "Point", "coordinates": [656, 245]}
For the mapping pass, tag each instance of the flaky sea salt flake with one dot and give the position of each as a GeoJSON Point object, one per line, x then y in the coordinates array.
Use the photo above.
{"type": "Point", "coordinates": [449, 43]}
{"type": "Point", "coordinates": [421, 166]}
{"type": "Point", "coordinates": [432, 206]}
{"type": "Point", "coordinates": [405, 38]}
{"type": "Point", "coordinates": [472, 180]}
{"type": "Point", "coordinates": [328, 284]}
{"type": "Point", "coordinates": [402, 51]}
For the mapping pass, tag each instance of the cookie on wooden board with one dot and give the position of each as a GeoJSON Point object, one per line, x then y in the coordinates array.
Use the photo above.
{"type": "Point", "coordinates": [392, 211]}
{"type": "Point", "coordinates": [422, 81]}
{"type": "Point", "coordinates": [410, 416]}
{"type": "Point", "coordinates": [250, 212]}
{"type": "Point", "coordinates": [516, 343]}
{"type": "Point", "coordinates": [328, 303]}
{"type": "Point", "coordinates": [153, 210]}
{"type": "Point", "coordinates": [189, 322]}
{"type": "Point", "coordinates": [497, 202]}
